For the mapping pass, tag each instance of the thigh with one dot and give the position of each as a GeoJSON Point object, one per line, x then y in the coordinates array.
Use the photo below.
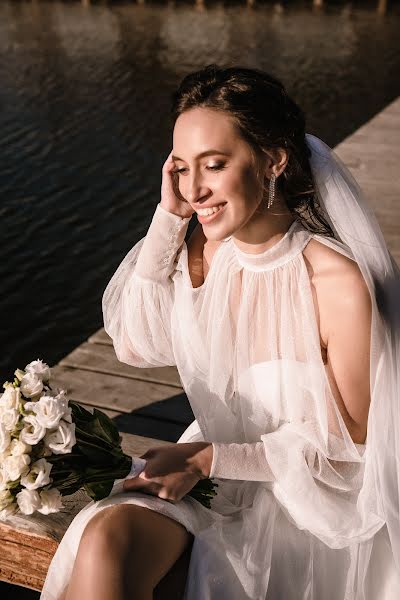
{"type": "Point", "coordinates": [146, 540]}
{"type": "Point", "coordinates": [172, 585]}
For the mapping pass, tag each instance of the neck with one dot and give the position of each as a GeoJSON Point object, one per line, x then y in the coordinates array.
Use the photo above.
{"type": "Point", "coordinates": [265, 228]}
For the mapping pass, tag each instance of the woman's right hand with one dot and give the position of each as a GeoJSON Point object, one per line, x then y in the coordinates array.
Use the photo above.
{"type": "Point", "coordinates": [171, 198]}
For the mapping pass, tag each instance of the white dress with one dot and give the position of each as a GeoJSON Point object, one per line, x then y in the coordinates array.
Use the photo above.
{"type": "Point", "coordinates": [285, 523]}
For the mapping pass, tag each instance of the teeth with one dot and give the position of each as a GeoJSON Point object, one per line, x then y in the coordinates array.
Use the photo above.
{"type": "Point", "coordinates": [204, 212]}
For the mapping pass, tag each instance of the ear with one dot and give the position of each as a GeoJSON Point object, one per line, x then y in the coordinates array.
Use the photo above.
{"type": "Point", "coordinates": [275, 161]}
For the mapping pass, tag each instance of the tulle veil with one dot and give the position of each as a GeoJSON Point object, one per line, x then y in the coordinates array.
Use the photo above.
{"type": "Point", "coordinates": [355, 225]}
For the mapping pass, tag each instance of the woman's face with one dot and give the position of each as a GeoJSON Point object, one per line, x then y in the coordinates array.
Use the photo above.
{"type": "Point", "coordinates": [215, 166]}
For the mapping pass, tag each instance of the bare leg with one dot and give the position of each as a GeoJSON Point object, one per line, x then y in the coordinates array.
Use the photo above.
{"type": "Point", "coordinates": [172, 585]}
{"type": "Point", "coordinates": [124, 552]}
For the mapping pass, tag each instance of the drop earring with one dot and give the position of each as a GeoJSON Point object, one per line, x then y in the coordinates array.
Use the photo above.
{"type": "Point", "coordinates": [271, 193]}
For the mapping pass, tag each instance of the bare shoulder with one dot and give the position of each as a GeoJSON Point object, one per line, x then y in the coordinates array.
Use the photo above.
{"type": "Point", "coordinates": [337, 283]}
{"type": "Point", "coordinates": [331, 269]}
{"type": "Point", "coordinates": [344, 308]}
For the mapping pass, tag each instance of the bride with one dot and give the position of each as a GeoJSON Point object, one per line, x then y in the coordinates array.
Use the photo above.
{"type": "Point", "coordinates": [277, 315]}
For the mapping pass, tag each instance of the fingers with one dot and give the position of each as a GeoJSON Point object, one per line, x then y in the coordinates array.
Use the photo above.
{"type": "Point", "coordinates": [169, 163]}
{"type": "Point", "coordinates": [170, 183]}
{"type": "Point", "coordinates": [141, 484]}
{"type": "Point", "coordinates": [168, 175]}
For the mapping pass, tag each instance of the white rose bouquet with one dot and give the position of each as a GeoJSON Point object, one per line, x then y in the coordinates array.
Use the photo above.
{"type": "Point", "coordinates": [51, 447]}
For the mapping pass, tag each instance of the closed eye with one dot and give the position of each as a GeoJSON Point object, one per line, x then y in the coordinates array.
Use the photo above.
{"type": "Point", "coordinates": [212, 168]}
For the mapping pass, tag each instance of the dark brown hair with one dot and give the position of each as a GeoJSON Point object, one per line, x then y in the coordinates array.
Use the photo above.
{"type": "Point", "coordinates": [266, 118]}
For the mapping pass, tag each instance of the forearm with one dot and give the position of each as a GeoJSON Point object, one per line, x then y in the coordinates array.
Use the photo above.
{"type": "Point", "coordinates": [246, 461]}
{"type": "Point", "coordinates": [163, 240]}
{"type": "Point", "coordinates": [201, 460]}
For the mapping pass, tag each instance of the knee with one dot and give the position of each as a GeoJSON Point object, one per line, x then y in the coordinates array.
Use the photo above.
{"type": "Point", "coordinates": [107, 533]}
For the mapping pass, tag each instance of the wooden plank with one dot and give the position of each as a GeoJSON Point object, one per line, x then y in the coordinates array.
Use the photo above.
{"type": "Point", "coordinates": [175, 410]}
{"type": "Point", "coordinates": [100, 337]}
{"type": "Point", "coordinates": [136, 445]}
{"type": "Point", "coordinates": [101, 358]}
{"type": "Point", "coordinates": [372, 154]}
{"type": "Point", "coordinates": [149, 422]}
{"type": "Point", "coordinates": [117, 393]}
{"type": "Point", "coordinates": [148, 427]}
{"type": "Point", "coordinates": [31, 553]}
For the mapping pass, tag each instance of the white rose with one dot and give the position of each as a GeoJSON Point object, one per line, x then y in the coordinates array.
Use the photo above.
{"type": "Point", "coordinates": [10, 418]}
{"type": "Point", "coordinates": [51, 501]}
{"type": "Point", "coordinates": [49, 410]}
{"type": "Point", "coordinates": [28, 501]}
{"type": "Point", "coordinates": [8, 511]}
{"type": "Point", "coordinates": [31, 385]}
{"type": "Point", "coordinates": [38, 476]}
{"type": "Point", "coordinates": [40, 369]}
{"type": "Point", "coordinates": [6, 498]}
{"type": "Point", "coordinates": [62, 398]}
{"type": "Point", "coordinates": [32, 431]}
{"type": "Point", "coordinates": [11, 398]}
{"type": "Point", "coordinates": [19, 373]}
{"type": "Point", "coordinates": [16, 466]}
{"type": "Point", "coordinates": [3, 479]}
{"type": "Point", "coordinates": [5, 438]}
{"type": "Point", "coordinates": [62, 440]}
{"type": "Point", "coordinates": [17, 447]}
{"type": "Point", "coordinates": [5, 454]}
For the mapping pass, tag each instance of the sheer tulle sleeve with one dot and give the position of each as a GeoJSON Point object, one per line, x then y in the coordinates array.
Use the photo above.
{"type": "Point", "coordinates": [245, 461]}
{"type": "Point", "coordinates": [317, 492]}
{"type": "Point", "coordinates": [138, 300]}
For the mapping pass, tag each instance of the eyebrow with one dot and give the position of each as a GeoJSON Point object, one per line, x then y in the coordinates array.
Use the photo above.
{"type": "Point", "coordinates": [205, 153]}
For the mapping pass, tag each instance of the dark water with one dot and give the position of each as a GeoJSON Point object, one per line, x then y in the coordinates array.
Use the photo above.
{"type": "Point", "coordinates": [84, 130]}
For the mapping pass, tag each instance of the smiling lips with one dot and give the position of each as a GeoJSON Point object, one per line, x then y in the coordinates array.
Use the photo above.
{"type": "Point", "coordinates": [207, 215]}
{"type": "Point", "coordinates": [205, 212]}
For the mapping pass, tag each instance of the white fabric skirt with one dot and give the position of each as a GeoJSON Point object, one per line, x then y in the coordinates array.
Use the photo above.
{"type": "Point", "coordinates": [255, 553]}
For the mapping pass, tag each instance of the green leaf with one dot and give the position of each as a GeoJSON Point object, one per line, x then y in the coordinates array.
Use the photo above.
{"type": "Point", "coordinates": [97, 428]}
{"type": "Point", "coordinates": [89, 434]}
{"type": "Point", "coordinates": [98, 491]}
{"type": "Point", "coordinates": [98, 455]}
{"type": "Point", "coordinates": [109, 428]}
{"type": "Point", "coordinates": [80, 414]}
{"type": "Point", "coordinates": [14, 484]}
{"type": "Point", "coordinates": [68, 457]}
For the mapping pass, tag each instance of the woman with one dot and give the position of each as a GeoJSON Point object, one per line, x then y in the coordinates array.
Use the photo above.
{"type": "Point", "coordinates": [270, 314]}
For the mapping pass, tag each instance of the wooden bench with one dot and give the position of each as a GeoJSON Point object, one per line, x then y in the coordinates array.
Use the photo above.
{"type": "Point", "coordinates": [149, 408]}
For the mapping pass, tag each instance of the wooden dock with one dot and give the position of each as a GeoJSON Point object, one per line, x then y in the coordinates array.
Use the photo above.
{"type": "Point", "coordinates": [149, 405]}
{"type": "Point", "coordinates": [372, 154]}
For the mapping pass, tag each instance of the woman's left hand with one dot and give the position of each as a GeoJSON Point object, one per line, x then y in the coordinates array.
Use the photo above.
{"type": "Point", "coordinates": [170, 471]}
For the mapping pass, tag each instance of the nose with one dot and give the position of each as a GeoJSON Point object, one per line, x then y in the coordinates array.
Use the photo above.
{"type": "Point", "coordinates": [194, 188]}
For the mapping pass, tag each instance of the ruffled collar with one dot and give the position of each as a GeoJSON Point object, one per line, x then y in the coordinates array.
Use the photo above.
{"type": "Point", "coordinates": [285, 250]}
